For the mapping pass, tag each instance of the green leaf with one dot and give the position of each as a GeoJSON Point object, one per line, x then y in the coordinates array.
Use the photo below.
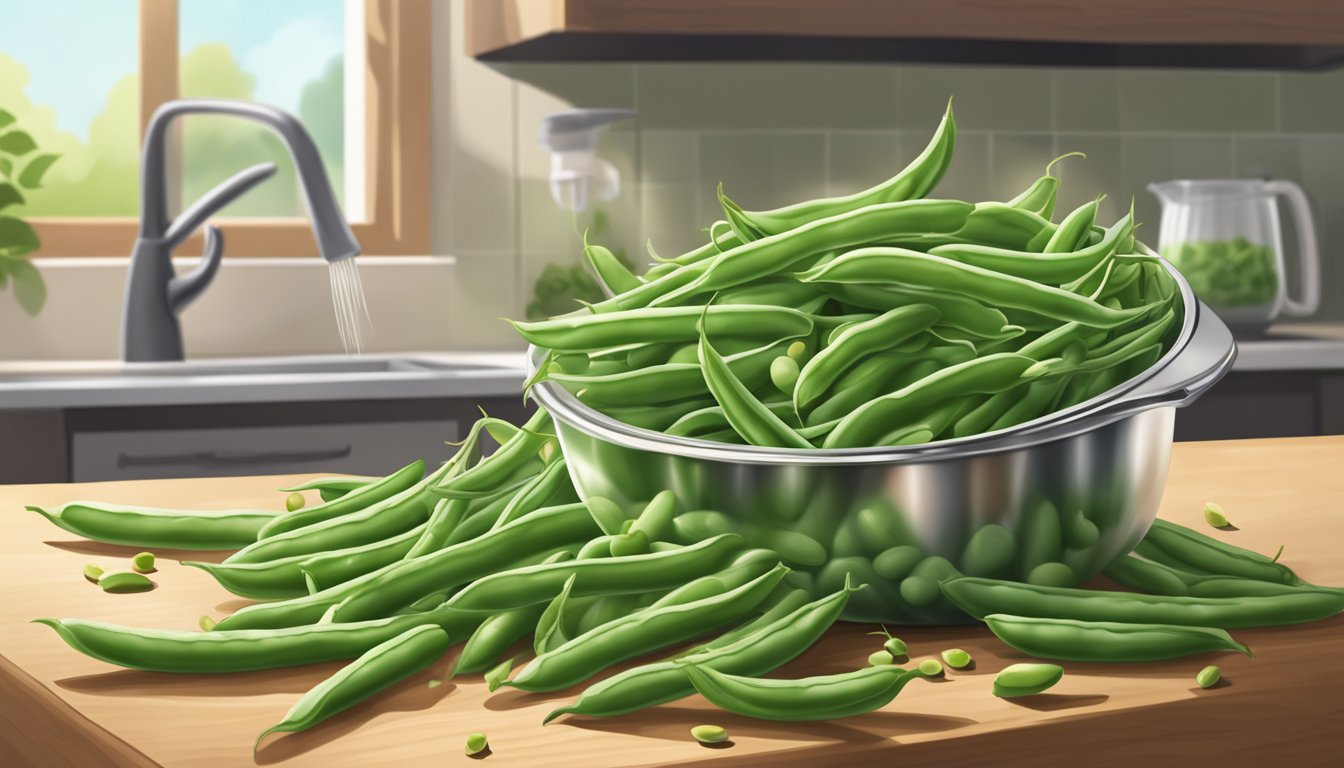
{"type": "Point", "coordinates": [9, 195]}
{"type": "Point", "coordinates": [17, 143]}
{"type": "Point", "coordinates": [16, 237]}
{"type": "Point", "coordinates": [30, 290]}
{"type": "Point", "coordinates": [6, 166]}
{"type": "Point", "coordinates": [5, 118]}
{"type": "Point", "coordinates": [31, 177]}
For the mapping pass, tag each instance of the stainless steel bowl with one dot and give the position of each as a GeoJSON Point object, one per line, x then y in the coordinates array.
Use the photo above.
{"type": "Point", "coordinates": [1073, 490]}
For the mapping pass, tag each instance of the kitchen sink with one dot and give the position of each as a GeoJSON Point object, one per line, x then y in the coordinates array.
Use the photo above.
{"type": "Point", "coordinates": [65, 384]}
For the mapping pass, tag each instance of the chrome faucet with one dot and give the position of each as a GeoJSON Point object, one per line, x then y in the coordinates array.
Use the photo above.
{"type": "Point", "coordinates": [150, 329]}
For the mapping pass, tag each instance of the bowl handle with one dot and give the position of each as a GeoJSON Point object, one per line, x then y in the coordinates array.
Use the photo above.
{"type": "Point", "coordinates": [1207, 357]}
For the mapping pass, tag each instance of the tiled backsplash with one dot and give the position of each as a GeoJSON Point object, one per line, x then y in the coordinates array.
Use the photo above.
{"type": "Point", "coordinates": [775, 133]}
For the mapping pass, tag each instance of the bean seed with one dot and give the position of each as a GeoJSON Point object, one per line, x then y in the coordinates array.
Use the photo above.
{"type": "Point", "coordinates": [710, 734]}
{"type": "Point", "coordinates": [1208, 676]}
{"type": "Point", "coordinates": [1026, 679]}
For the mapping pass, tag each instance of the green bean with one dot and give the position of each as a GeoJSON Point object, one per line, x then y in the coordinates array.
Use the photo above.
{"type": "Point", "coordinates": [1001, 225]}
{"type": "Point", "coordinates": [905, 267]}
{"type": "Point", "coordinates": [747, 415]}
{"type": "Point", "coordinates": [1051, 575]}
{"type": "Point", "coordinates": [655, 521]}
{"type": "Point", "coordinates": [955, 310]}
{"type": "Point", "coordinates": [382, 519]}
{"type": "Point", "coordinates": [657, 627]}
{"type": "Point", "coordinates": [1106, 641]}
{"type": "Point", "coordinates": [1073, 231]}
{"type": "Point", "coordinates": [668, 324]}
{"type": "Point", "coordinates": [358, 499]}
{"type": "Point", "coordinates": [629, 543]}
{"type": "Point", "coordinates": [285, 577]}
{"type": "Point", "coordinates": [670, 382]}
{"type": "Point", "coordinates": [711, 419]}
{"type": "Point", "coordinates": [1156, 578]}
{"type": "Point", "coordinates": [784, 373]}
{"type": "Point", "coordinates": [494, 469]}
{"type": "Point", "coordinates": [1206, 554]}
{"type": "Point", "coordinates": [223, 651]}
{"type": "Point", "coordinates": [661, 418]}
{"type": "Point", "coordinates": [377, 669]}
{"type": "Point", "coordinates": [766, 649]}
{"type": "Point", "coordinates": [125, 582]}
{"type": "Point", "coordinates": [550, 626]}
{"type": "Point", "coordinates": [447, 515]}
{"type": "Point", "coordinates": [980, 597]}
{"type": "Point", "coordinates": [824, 697]}
{"type": "Point", "coordinates": [611, 274]}
{"type": "Point", "coordinates": [991, 551]}
{"type": "Point", "coordinates": [613, 575]}
{"type": "Point", "coordinates": [916, 180]}
{"type": "Point", "coordinates": [883, 415]}
{"type": "Point", "coordinates": [1026, 679]}
{"type": "Point", "coordinates": [482, 512]}
{"type": "Point", "coordinates": [549, 488]}
{"type": "Point", "coordinates": [160, 528]}
{"type": "Point", "coordinates": [863, 382]}
{"type": "Point", "coordinates": [1053, 268]}
{"type": "Point", "coordinates": [883, 222]}
{"type": "Point", "coordinates": [407, 580]}
{"type": "Point", "coordinates": [778, 291]}
{"type": "Point", "coordinates": [857, 342]}
{"type": "Point", "coordinates": [789, 600]}
{"type": "Point", "coordinates": [329, 488]}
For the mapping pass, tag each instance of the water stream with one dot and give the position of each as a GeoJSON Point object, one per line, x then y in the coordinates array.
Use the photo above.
{"type": "Point", "coordinates": [347, 299]}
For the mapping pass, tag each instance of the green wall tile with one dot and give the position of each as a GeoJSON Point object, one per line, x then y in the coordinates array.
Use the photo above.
{"type": "Point", "coordinates": [856, 161]}
{"type": "Point", "coordinates": [1083, 178]}
{"type": "Point", "coordinates": [1086, 99]}
{"type": "Point", "coordinates": [767, 96]}
{"type": "Point", "coordinates": [763, 170]}
{"type": "Point", "coordinates": [1147, 159]}
{"type": "Point", "coordinates": [1017, 160]}
{"type": "Point", "coordinates": [983, 98]}
{"type": "Point", "coordinates": [669, 156]}
{"type": "Point", "coordinates": [1194, 100]}
{"type": "Point", "coordinates": [1312, 101]}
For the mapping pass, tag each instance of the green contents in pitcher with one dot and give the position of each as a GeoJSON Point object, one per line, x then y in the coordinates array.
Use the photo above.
{"type": "Point", "coordinates": [1227, 273]}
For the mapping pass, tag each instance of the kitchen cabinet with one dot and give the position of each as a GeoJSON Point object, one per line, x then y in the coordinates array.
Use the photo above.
{"type": "Point", "coordinates": [214, 440]}
{"type": "Point", "coordinates": [1232, 33]}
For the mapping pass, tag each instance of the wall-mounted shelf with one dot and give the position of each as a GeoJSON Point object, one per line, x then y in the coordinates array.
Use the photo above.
{"type": "Point", "coordinates": [1291, 34]}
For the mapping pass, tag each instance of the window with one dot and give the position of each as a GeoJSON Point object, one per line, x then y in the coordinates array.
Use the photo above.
{"type": "Point", "coordinates": [355, 71]}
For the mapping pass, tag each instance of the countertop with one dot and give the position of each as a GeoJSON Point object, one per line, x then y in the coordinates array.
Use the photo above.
{"type": "Point", "coordinates": [1283, 707]}
{"type": "Point", "coordinates": [53, 384]}
{"type": "Point", "coordinates": [1293, 347]}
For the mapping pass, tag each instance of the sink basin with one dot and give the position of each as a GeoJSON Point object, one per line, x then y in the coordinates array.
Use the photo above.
{"type": "Point", "coordinates": [67, 384]}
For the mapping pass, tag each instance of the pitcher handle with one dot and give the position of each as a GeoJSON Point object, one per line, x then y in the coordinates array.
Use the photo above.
{"type": "Point", "coordinates": [1307, 250]}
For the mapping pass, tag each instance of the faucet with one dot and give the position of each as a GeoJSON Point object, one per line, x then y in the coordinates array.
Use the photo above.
{"type": "Point", "coordinates": [154, 292]}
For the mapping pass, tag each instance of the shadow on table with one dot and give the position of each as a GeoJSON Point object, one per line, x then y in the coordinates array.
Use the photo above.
{"type": "Point", "coordinates": [673, 723]}
{"type": "Point", "coordinates": [86, 547]}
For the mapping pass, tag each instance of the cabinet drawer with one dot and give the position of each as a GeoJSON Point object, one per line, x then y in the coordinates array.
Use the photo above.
{"type": "Point", "coordinates": [360, 448]}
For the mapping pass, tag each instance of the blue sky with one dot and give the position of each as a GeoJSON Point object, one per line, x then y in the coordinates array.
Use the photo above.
{"type": "Point", "coordinates": [75, 50]}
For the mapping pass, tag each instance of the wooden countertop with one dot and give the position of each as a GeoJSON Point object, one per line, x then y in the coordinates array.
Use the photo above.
{"type": "Point", "coordinates": [58, 707]}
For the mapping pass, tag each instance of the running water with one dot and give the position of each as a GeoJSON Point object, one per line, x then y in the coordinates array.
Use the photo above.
{"type": "Point", "coordinates": [347, 298]}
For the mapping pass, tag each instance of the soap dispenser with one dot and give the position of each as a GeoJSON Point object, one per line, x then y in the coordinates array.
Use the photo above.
{"type": "Point", "coordinates": [578, 175]}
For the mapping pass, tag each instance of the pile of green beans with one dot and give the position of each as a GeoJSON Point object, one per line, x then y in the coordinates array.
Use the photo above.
{"type": "Point", "coordinates": [887, 317]}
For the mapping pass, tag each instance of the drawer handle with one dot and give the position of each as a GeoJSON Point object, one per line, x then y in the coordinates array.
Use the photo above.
{"type": "Point", "coordinates": [229, 458]}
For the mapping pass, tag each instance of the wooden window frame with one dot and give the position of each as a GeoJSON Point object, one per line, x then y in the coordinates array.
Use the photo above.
{"type": "Point", "coordinates": [397, 140]}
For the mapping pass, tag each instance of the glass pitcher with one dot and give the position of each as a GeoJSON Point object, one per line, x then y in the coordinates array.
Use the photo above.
{"type": "Point", "coordinates": [1224, 236]}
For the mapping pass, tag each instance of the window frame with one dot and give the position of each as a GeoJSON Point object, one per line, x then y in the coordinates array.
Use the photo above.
{"type": "Point", "coordinates": [397, 147]}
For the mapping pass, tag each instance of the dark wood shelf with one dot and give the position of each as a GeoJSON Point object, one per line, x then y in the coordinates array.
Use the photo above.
{"type": "Point", "coordinates": [1290, 34]}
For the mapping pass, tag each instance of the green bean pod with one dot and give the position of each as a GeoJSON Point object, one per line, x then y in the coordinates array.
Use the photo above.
{"type": "Point", "coordinates": [824, 697]}
{"type": "Point", "coordinates": [360, 498]}
{"type": "Point", "coordinates": [496, 468]}
{"type": "Point", "coordinates": [762, 651]}
{"type": "Point", "coordinates": [981, 597]}
{"type": "Point", "coordinates": [329, 488]}
{"type": "Point", "coordinates": [916, 180]}
{"type": "Point", "coordinates": [883, 415]}
{"type": "Point", "coordinates": [900, 266]}
{"type": "Point", "coordinates": [956, 311]}
{"type": "Point", "coordinates": [659, 626]}
{"type": "Point", "coordinates": [1107, 641]}
{"type": "Point", "coordinates": [883, 222]}
{"type": "Point", "coordinates": [551, 487]}
{"type": "Point", "coordinates": [664, 324]}
{"type": "Point", "coordinates": [495, 636]}
{"type": "Point", "coordinates": [503, 590]}
{"type": "Point", "coordinates": [408, 580]}
{"type": "Point", "coordinates": [613, 275]}
{"type": "Point", "coordinates": [1208, 555]}
{"type": "Point", "coordinates": [669, 382]}
{"type": "Point", "coordinates": [379, 668]}
{"type": "Point", "coordinates": [151, 527]}
{"type": "Point", "coordinates": [711, 419]}
{"type": "Point", "coordinates": [447, 515]}
{"type": "Point", "coordinates": [1073, 231]}
{"type": "Point", "coordinates": [1053, 268]}
{"type": "Point", "coordinates": [382, 519]}
{"type": "Point", "coordinates": [284, 577]}
{"type": "Point", "coordinates": [856, 343]}
{"type": "Point", "coordinates": [222, 651]}
{"type": "Point", "coordinates": [747, 415]}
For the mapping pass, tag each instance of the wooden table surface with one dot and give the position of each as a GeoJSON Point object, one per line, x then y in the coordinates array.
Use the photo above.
{"type": "Point", "coordinates": [58, 707]}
